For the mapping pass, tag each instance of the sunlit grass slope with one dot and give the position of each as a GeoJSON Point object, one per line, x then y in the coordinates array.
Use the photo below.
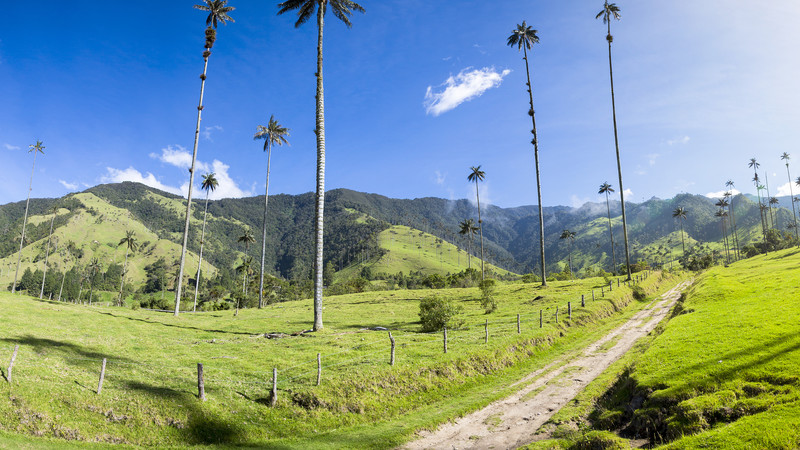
{"type": "Point", "coordinates": [149, 393]}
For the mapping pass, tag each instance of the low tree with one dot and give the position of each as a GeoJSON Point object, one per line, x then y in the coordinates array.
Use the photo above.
{"type": "Point", "coordinates": [131, 245]}
{"type": "Point", "coordinates": [680, 214]}
{"type": "Point", "coordinates": [468, 229]}
{"type": "Point", "coordinates": [569, 236]}
{"type": "Point", "coordinates": [605, 188]}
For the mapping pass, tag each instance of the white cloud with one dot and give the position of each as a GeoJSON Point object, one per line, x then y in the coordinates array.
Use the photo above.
{"type": "Point", "coordinates": [440, 178]}
{"type": "Point", "coordinates": [784, 190]}
{"type": "Point", "coordinates": [628, 193]}
{"type": "Point", "coordinates": [130, 174]}
{"type": "Point", "coordinates": [227, 187]}
{"type": "Point", "coordinates": [10, 147]}
{"type": "Point", "coordinates": [483, 190]}
{"type": "Point", "coordinates": [207, 132]}
{"type": "Point", "coordinates": [681, 140]}
{"type": "Point", "coordinates": [577, 202]}
{"type": "Point", "coordinates": [70, 186]}
{"type": "Point", "coordinates": [651, 158]}
{"type": "Point", "coordinates": [719, 194]}
{"type": "Point", "coordinates": [178, 157]}
{"type": "Point", "coordinates": [463, 87]}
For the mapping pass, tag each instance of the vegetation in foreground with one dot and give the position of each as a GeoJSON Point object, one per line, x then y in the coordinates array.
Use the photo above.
{"type": "Point", "coordinates": [149, 395]}
{"type": "Point", "coordinates": [723, 374]}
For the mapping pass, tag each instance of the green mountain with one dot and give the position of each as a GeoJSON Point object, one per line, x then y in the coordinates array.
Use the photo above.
{"type": "Point", "coordinates": [360, 229]}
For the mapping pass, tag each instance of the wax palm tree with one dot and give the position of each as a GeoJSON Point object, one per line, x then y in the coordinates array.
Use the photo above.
{"type": "Point", "coordinates": [69, 253]}
{"type": "Point", "coordinates": [272, 134]}
{"type": "Point", "coordinates": [468, 229]}
{"type": "Point", "coordinates": [209, 184]}
{"type": "Point", "coordinates": [605, 188]}
{"type": "Point", "coordinates": [217, 12]}
{"type": "Point", "coordinates": [773, 202]}
{"type": "Point", "coordinates": [342, 9]}
{"type": "Point", "coordinates": [785, 157]}
{"type": "Point", "coordinates": [35, 148]}
{"type": "Point", "coordinates": [570, 237]}
{"type": "Point", "coordinates": [722, 214]}
{"type": "Point", "coordinates": [523, 37]}
{"type": "Point", "coordinates": [93, 269]}
{"type": "Point", "coordinates": [477, 175]}
{"type": "Point", "coordinates": [131, 245]}
{"type": "Point", "coordinates": [247, 239]}
{"type": "Point", "coordinates": [730, 185]}
{"type": "Point", "coordinates": [245, 268]}
{"type": "Point", "coordinates": [753, 164]}
{"type": "Point", "coordinates": [611, 11]}
{"type": "Point", "coordinates": [47, 251]}
{"type": "Point", "coordinates": [680, 214]}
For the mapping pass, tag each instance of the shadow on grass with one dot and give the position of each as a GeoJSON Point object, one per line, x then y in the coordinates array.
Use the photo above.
{"type": "Point", "coordinates": [183, 327]}
{"type": "Point", "coordinates": [156, 391]}
{"type": "Point", "coordinates": [40, 345]}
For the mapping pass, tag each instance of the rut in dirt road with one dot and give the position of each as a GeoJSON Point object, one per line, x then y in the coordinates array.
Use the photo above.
{"type": "Point", "coordinates": [513, 422]}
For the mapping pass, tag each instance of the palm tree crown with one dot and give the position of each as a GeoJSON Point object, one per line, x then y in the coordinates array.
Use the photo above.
{"type": "Point", "coordinates": [272, 134]}
{"type": "Point", "coordinates": [37, 147]}
{"type": "Point", "coordinates": [217, 12]}
{"type": "Point", "coordinates": [130, 240]}
{"type": "Point", "coordinates": [476, 174]}
{"type": "Point", "coordinates": [246, 238]}
{"type": "Point", "coordinates": [523, 35]}
{"type": "Point", "coordinates": [210, 182]}
{"type": "Point", "coordinates": [342, 9]}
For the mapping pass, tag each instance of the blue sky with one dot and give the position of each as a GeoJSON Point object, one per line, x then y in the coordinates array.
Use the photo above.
{"type": "Point", "coordinates": [416, 92]}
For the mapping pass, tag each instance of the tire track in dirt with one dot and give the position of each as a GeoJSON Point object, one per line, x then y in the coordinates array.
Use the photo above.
{"type": "Point", "coordinates": [513, 421]}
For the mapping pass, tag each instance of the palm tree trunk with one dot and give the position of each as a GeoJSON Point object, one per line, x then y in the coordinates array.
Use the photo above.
{"type": "Point", "coordinates": [264, 234]}
{"type": "Point", "coordinates": [91, 290]}
{"type": "Point", "coordinates": [47, 255]}
{"type": "Point", "coordinates": [200, 262]}
{"type": "Point", "coordinates": [619, 163]}
{"type": "Point", "coordinates": [683, 242]}
{"type": "Point", "coordinates": [80, 289]}
{"type": "Point", "coordinates": [767, 202]}
{"type": "Point", "coordinates": [480, 223]}
{"type": "Point", "coordinates": [24, 224]}
{"type": "Point", "coordinates": [733, 227]}
{"type": "Point", "coordinates": [611, 234]}
{"type": "Point", "coordinates": [570, 261]}
{"type": "Point", "coordinates": [320, 209]}
{"type": "Point", "coordinates": [725, 240]}
{"type": "Point", "coordinates": [206, 54]}
{"type": "Point", "coordinates": [794, 213]}
{"type": "Point", "coordinates": [122, 277]}
{"type": "Point", "coordinates": [536, 163]}
{"type": "Point", "coordinates": [60, 290]}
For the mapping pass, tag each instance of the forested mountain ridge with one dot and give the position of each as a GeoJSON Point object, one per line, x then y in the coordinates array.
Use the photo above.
{"type": "Point", "coordinates": [355, 219]}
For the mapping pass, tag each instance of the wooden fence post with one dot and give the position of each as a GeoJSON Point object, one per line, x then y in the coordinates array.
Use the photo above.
{"type": "Point", "coordinates": [541, 322]}
{"type": "Point", "coordinates": [569, 309]}
{"type": "Point", "coordinates": [486, 330]}
{"type": "Point", "coordinates": [319, 368]}
{"type": "Point", "coordinates": [518, 327]}
{"type": "Point", "coordinates": [556, 314]}
{"type": "Point", "coordinates": [11, 364]}
{"type": "Point", "coordinates": [445, 339]}
{"type": "Point", "coordinates": [201, 386]}
{"type": "Point", "coordinates": [592, 294]}
{"type": "Point", "coordinates": [391, 357]}
{"type": "Point", "coordinates": [274, 397]}
{"type": "Point", "coordinates": [102, 377]}
{"type": "Point", "coordinates": [583, 301]}
{"type": "Point", "coordinates": [617, 282]}
{"type": "Point", "coordinates": [602, 291]}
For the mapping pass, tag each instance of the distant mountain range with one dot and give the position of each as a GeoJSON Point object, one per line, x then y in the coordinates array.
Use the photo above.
{"type": "Point", "coordinates": [96, 219]}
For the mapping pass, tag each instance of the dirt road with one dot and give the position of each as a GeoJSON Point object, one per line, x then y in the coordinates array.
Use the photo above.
{"type": "Point", "coordinates": [513, 421]}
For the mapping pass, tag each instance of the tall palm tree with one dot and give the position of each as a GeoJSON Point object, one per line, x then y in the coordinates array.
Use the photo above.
{"type": "Point", "coordinates": [753, 164]}
{"type": "Point", "coordinates": [272, 134]}
{"type": "Point", "coordinates": [722, 214]}
{"type": "Point", "coordinates": [611, 11]}
{"type": "Point", "coordinates": [605, 188]}
{"type": "Point", "coordinates": [210, 183]}
{"type": "Point", "coordinates": [773, 202]}
{"type": "Point", "coordinates": [342, 9]}
{"type": "Point", "coordinates": [47, 251]}
{"type": "Point", "coordinates": [35, 148]}
{"type": "Point", "coordinates": [730, 185]}
{"type": "Point", "coordinates": [524, 37]}
{"type": "Point", "coordinates": [570, 237]}
{"type": "Point", "coordinates": [477, 175]}
{"type": "Point", "coordinates": [785, 157]}
{"type": "Point", "coordinates": [680, 214]}
{"type": "Point", "coordinates": [246, 267]}
{"type": "Point", "coordinates": [217, 12]}
{"type": "Point", "coordinates": [247, 239]}
{"type": "Point", "coordinates": [131, 245]}
{"type": "Point", "coordinates": [468, 229]}
{"type": "Point", "coordinates": [94, 268]}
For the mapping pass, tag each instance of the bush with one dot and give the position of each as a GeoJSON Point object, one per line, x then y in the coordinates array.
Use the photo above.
{"type": "Point", "coordinates": [639, 293]}
{"type": "Point", "coordinates": [436, 313]}
{"type": "Point", "coordinates": [487, 298]}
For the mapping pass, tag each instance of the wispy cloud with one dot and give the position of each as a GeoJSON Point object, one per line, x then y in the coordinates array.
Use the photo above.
{"type": "Point", "coordinates": [719, 194]}
{"type": "Point", "coordinates": [680, 140]}
{"type": "Point", "coordinates": [130, 174]}
{"type": "Point", "coordinates": [463, 87]}
{"type": "Point", "coordinates": [651, 158]}
{"type": "Point", "coordinates": [577, 202]}
{"type": "Point", "coordinates": [177, 156]}
{"type": "Point", "coordinates": [207, 132]}
{"type": "Point", "coordinates": [483, 191]}
{"type": "Point", "coordinates": [440, 178]}
{"type": "Point", "coordinates": [10, 147]}
{"type": "Point", "coordinates": [227, 186]}
{"type": "Point", "coordinates": [785, 190]}
{"type": "Point", "coordinates": [70, 186]}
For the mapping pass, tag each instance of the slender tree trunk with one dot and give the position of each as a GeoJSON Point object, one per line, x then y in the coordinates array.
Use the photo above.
{"type": "Point", "coordinates": [761, 211]}
{"type": "Point", "coordinates": [91, 290]}
{"type": "Point", "coordinates": [24, 224]}
{"type": "Point", "coordinates": [791, 193]}
{"type": "Point", "coordinates": [733, 226]}
{"type": "Point", "coordinates": [619, 163]}
{"type": "Point", "coordinates": [611, 234]}
{"type": "Point", "coordinates": [570, 261]}
{"type": "Point", "coordinates": [61, 289]}
{"type": "Point", "coordinates": [80, 289]}
{"type": "Point", "coordinates": [200, 261]}
{"type": "Point", "coordinates": [264, 234]}
{"type": "Point", "coordinates": [318, 222]}
{"type": "Point", "coordinates": [480, 222]}
{"type": "Point", "coordinates": [683, 242]}
{"type": "Point", "coordinates": [122, 277]}
{"type": "Point", "coordinates": [535, 142]}
{"type": "Point", "coordinates": [47, 255]}
{"type": "Point", "coordinates": [767, 202]}
{"type": "Point", "coordinates": [725, 240]}
{"type": "Point", "coordinates": [179, 284]}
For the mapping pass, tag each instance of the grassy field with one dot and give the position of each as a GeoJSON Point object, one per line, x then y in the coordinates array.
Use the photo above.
{"type": "Point", "coordinates": [723, 374]}
{"type": "Point", "coordinates": [149, 393]}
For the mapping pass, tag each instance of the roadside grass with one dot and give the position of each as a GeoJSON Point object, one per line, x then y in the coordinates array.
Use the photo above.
{"type": "Point", "coordinates": [149, 393]}
{"type": "Point", "coordinates": [722, 374]}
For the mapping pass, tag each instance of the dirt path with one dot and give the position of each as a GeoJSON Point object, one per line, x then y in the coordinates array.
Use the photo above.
{"type": "Point", "coordinates": [513, 421]}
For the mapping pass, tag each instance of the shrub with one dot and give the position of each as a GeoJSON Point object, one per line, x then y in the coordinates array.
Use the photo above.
{"type": "Point", "coordinates": [639, 293]}
{"type": "Point", "coordinates": [487, 298]}
{"type": "Point", "coordinates": [436, 313]}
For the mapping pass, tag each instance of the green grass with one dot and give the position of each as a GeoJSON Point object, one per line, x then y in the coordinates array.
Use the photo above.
{"type": "Point", "coordinates": [149, 395]}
